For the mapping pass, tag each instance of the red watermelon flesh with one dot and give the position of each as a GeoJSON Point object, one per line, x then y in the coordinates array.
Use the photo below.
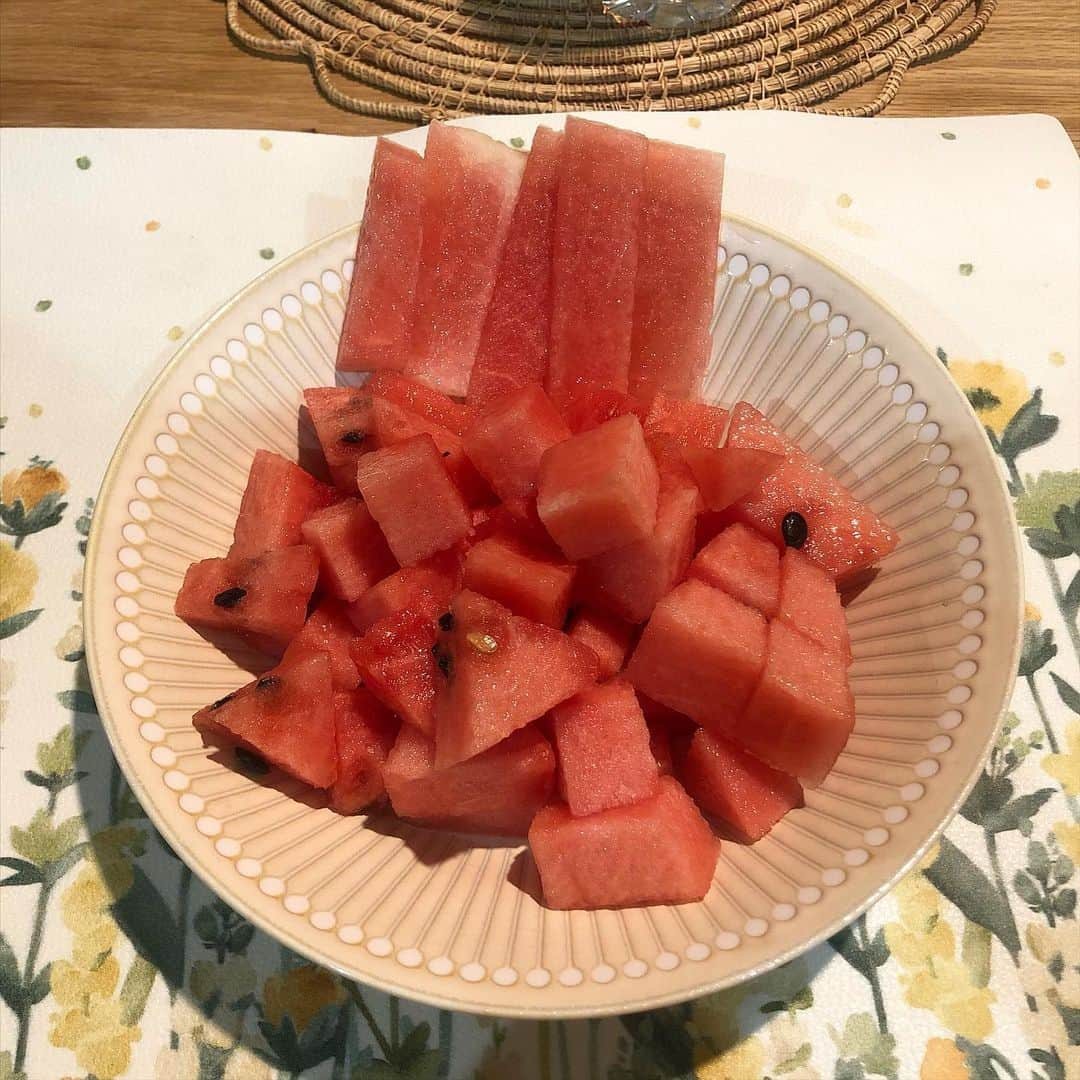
{"type": "Point", "coordinates": [424, 589]}
{"type": "Point", "coordinates": [729, 473]}
{"type": "Point", "coordinates": [745, 565]}
{"type": "Point", "coordinates": [588, 405]}
{"type": "Point", "coordinates": [676, 270]}
{"type": "Point", "coordinates": [422, 400]}
{"type": "Point", "coordinates": [285, 716]}
{"type": "Point", "coordinates": [365, 732]}
{"type": "Point", "coordinates": [658, 851]}
{"type": "Point", "coordinates": [690, 423]}
{"type": "Point", "coordinates": [744, 793]}
{"type": "Point", "coordinates": [341, 416]}
{"type": "Point", "coordinates": [528, 584]}
{"type": "Point", "coordinates": [809, 603]}
{"type": "Point", "coordinates": [597, 491]}
{"type": "Point", "coordinates": [379, 312]}
{"type": "Point", "coordinates": [329, 631]}
{"type": "Point", "coordinates": [470, 186]}
{"type": "Point", "coordinates": [603, 747]}
{"type": "Point", "coordinates": [660, 716]}
{"type": "Point", "coordinates": [844, 535]}
{"type": "Point", "coordinates": [595, 256]}
{"type": "Point", "coordinates": [607, 635]}
{"type": "Point", "coordinates": [411, 496]}
{"type": "Point", "coordinates": [802, 712]}
{"type": "Point", "coordinates": [513, 348]}
{"type": "Point", "coordinates": [278, 499]}
{"type": "Point", "coordinates": [700, 654]}
{"type": "Point", "coordinates": [497, 793]}
{"type": "Point", "coordinates": [352, 550]}
{"type": "Point", "coordinates": [260, 602]}
{"type": "Point", "coordinates": [504, 673]}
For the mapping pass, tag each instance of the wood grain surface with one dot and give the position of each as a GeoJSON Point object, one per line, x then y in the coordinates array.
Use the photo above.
{"type": "Point", "coordinates": [149, 63]}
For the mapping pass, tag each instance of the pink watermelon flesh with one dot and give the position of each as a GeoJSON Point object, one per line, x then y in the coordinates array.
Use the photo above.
{"type": "Point", "coordinates": [498, 792]}
{"type": "Point", "coordinates": [260, 602]}
{"type": "Point", "coordinates": [504, 672]}
{"type": "Point", "coordinates": [509, 573]}
{"type": "Point", "coordinates": [700, 654]}
{"type": "Point", "coordinates": [676, 271]}
{"type": "Point", "coordinates": [341, 417]}
{"type": "Point", "coordinates": [597, 491]}
{"type": "Point", "coordinates": [329, 631]}
{"type": "Point", "coordinates": [285, 716]}
{"type": "Point", "coordinates": [513, 348]}
{"type": "Point", "coordinates": [690, 423]}
{"type": "Point", "coordinates": [844, 535]}
{"type": "Point", "coordinates": [278, 499]}
{"type": "Point", "coordinates": [660, 748]}
{"type": "Point", "coordinates": [588, 405]}
{"type": "Point", "coordinates": [410, 495]}
{"type": "Point", "coordinates": [809, 603]}
{"type": "Point", "coordinates": [595, 256]}
{"type": "Point", "coordinates": [660, 716]}
{"type": "Point", "coordinates": [470, 186]}
{"type": "Point", "coordinates": [365, 732]}
{"type": "Point", "coordinates": [802, 712]}
{"type": "Point", "coordinates": [422, 400]}
{"type": "Point", "coordinates": [729, 473]}
{"type": "Point", "coordinates": [607, 635]}
{"type": "Point", "coordinates": [603, 747]}
{"type": "Point", "coordinates": [352, 550]}
{"type": "Point", "coordinates": [658, 851]}
{"type": "Point", "coordinates": [379, 312]}
{"type": "Point", "coordinates": [738, 789]}
{"type": "Point", "coordinates": [424, 589]}
{"type": "Point", "coordinates": [745, 565]}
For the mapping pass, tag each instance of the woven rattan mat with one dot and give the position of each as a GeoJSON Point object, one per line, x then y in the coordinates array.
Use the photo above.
{"type": "Point", "coordinates": [453, 57]}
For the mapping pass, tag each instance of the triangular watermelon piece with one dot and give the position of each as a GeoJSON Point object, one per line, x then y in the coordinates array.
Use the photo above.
{"type": "Point", "coordinates": [424, 589]}
{"type": "Point", "coordinates": [421, 399]}
{"type": "Point", "coordinates": [689, 423]}
{"type": "Point", "coordinates": [341, 416]}
{"type": "Point", "coordinates": [364, 735]}
{"type": "Point", "coordinates": [328, 631]}
{"type": "Point", "coordinates": [729, 473]}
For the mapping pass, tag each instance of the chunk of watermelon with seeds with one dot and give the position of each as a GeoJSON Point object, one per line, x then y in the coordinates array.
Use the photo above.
{"type": "Point", "coordinates": [327, 630]}
{"type": "Point", "coordinates": [352, 550]}
{"type": "Point", "coordinates": [520, 579]}
{"type": "Point", "coordinates": [424, 589]}
{"type": "Point", "coordinates": [341, 416]}
{"type": "Point", "coordinates": [364, 735]}
{"type": "Point", "coordinates": [607, 635]}
{"type": "Point", "coordinates": [745, 565]}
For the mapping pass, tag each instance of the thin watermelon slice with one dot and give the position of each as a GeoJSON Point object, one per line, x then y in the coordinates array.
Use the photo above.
{"type": "Point", "coordinates": [745, 565]}
{"type": "Point", "coordinates": [364, 734]}
{"type": "Point", "coordinates": [352, 550]}
{"type": "Point", "coordinates": [341, 416]}
{"type": "Point", "coordinates": [607, 635]}
{"type": "Point", "coordinates": [329, 631]}
{"type": "Point", "coordinates": [422, 400]}
{"type": "Point", "coordinates": [423, 589]}
{"type": "Point", "coordinates": [588, 405]}
{"type": "Point", "coordinates": [690, 423]}
{"type": "Point", "coordinates": [808, 602]}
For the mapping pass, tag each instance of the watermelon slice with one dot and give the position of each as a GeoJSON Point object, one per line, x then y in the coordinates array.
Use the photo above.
{"type": "Point", "coordinates": [378, 315]}
{"type": "Point", "coordinates": [422, 400]}
{"type": "Point", "coordinates": [364, 736]}
{"type": "Point", "coordinates": [497, 792]}
{"type": "Point", "coordinates": [470, 186]}
{"type": "Point", "coordinates": [329, 631]}
{"type": "Point", "coordinates": [504, 673]}
{"type": "Point", "coordinates": [689, 423]}
{"type": "Point", "coordinates": [285, 716]}
{"type": "Point", "coordinates": [658, 851]}
{"type": "Point", "coordinates": [729, 473]}
{"type": "Point", "coordinates": [743, 792]}
{"type": "Point", "coordinates": [513, 348]}
{"type": "Point", "coordinates": [745, 565]}
{"type": "Point", "coordinates": [352, 550]}
{"type": "Point", "coordinates": [809, 603]}
{"type": "Point", "coordinates": [603, 748]}
{"type": "Point", "coordinates": [597, 491]}
{"type": "Point", "coordinates": [341, 417]}
{"type": "Point", "coordinates": [410, 495]}
{"type": "Point", "coordinates": [588, 405]}
{"type": "Point", "coordinates": [423, 589]}
{"type": "Point", "coordinates": [676, 270]}
{"type": "Point", "coordinates": [528, 584]}
{"type": "Point", "coordinates": [607, 635]}
{"type": "Point", "coordinates": [595, 256]}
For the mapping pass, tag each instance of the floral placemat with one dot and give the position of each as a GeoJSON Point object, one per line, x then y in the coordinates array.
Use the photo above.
{"type": "Point", "coordinates": [115, 961]}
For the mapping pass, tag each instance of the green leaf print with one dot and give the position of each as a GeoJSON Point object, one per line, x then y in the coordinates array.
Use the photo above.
{"type": "Point", "coordinates": [26, 873]}
{"type": "Point", "coordinates": [1067, 693]}
{"type": "Point", "coordinates": [1028, 428]}
{"type": "Point", "coordinates": [14, 623]}
{"type": "Point", "coordinates": [1043, 494]}
{"type": "Point", "coordinates": [78, 701]}
{"type": "Point", "coordinates": [11, 989]}
{"type": "Point", "coordinates": [1038, 649]}
{"type": "Point", "coordinates": [147, 921]}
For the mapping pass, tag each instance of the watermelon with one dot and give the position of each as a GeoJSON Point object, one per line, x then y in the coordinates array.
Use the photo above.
{"type": "Point", "coordinates": [744, 793]}
{"type": "Point", "coordinates": [364, 735]}
{"type": "Point", "coordinates": [588, 405]}
{"type": "Point", "coordinates": [844, 536]}
{"type": "Point", "coordinates": [379, 312]}
{"type": "Point", "coordinates": [690, 423]}
{"type": "Point", "coordinates": [285, 716]}
{"type": "Point", "coordinates": [470, 186]}
{"type": "Point", "coordinates": [278, 499]}
{"type": "Point", "coordinates": [657, 851]}
{"type": "Point", "coordinates": [497, 793]}
{"type": "Point", "coordinates": [660, 716]}
{"type": "Point", "coordinates": [603, 748]}
{"type": "Point", "coordinates": [802, 712]}
{"type": "Point", "coordinates": [607, 635]}
{"type": "Point", "coordinates": [259, 602]}
{"type": "Point", "coordinates": [519, 579]}
{"type": "Point", "coordinates": [745, 565]}
{"type": "Point", "coordinates": [504, 673]}
{"type": "Point", "coordinates": [410, 495]}
{"type": "Point", "coordinates": [660, 739]}
{"type": "Point", "coordinates": [425, 588]}
{"type": "Point", "coordinates": [422, 400]}
{"type": "Point", "coordinates": [678, 236]}
{"type": "Point", "coordinates": [729, 473]}
{"type": "Point", "coordinates": [597, 491]}
{"type": "Point", "coordinates": [595, 256]}
{"type": "Point", "coordinates": [329, 631]}
{"type": "Point", "coordinates": [352, 550]}
{"type": "Point", "coordinates": [341, 416]}
{"type": "Point", "coordinates": [700, 654]}
{"type": "Point", "coordinates": [808, 602]}
{"type": "Point", "coordinates": [513, 348]}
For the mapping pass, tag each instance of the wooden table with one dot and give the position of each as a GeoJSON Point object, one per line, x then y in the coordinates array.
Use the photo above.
{"type": "Point", "coordinates": [150, 63]}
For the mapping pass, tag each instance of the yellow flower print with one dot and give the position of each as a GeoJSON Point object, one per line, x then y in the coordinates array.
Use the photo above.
{"type": "Point", "coordinates": [30, 485]}
{"type": "Point", "coordinates": [743, 1060]}
{"type": "Point", "coordinates": [231, 980]}
{"type": "Point", "coordinates": [943, 1060]}
{"type": "Point", "coordinates": [18, 576]}
{"type": "Point", "coordinates": [99, 1037]}
{"type": "Point", "coordinates": [301, 992]}
{"type": "Point", "coordinates": [1032, 612]}
{"type": "Point", "coordinates": [1065, 767]}
{"type": "Point", "coordinates": [1068, 838]}
{"type": "Point", "coordinates": [74, 986]}
{"type": "Point", "coordinates": [994, 390]}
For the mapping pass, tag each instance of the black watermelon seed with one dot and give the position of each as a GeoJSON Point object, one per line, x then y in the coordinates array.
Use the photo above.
{"type": "Point", "coordinates": [229, 598]}
{"type": "Point", "coordinates": [250, 762]}
{"type": "Point", "coordinates": [444, 664]}
{"type": "Point", "coordinates": [268, 682]}
{"type": "Point", "coordinates": [794, 530]}
{"type": "Point", "coordinates": [446, 621]}
{"type": "Point", "coordinates": [353, 438]}
{"type": "Point", "coordinates": [446, 453]}
{"type": "Point", "coordinates": [222, 701]}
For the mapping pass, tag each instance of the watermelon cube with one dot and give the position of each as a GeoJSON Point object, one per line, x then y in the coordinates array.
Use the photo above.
{"type": "Point", "coordinates": [844, 535]}
{"type": "Point", "coordinates": [520, 579]}
{"type": "Point", "coordinates": [379, 312]}
{"type": "Point", "coordinates": [352, 550]}
{"type": "Point", "coordinates": [690, 423]}
{"type": "Point", "coordinates": [422, 400]}
{"type": "Point", "coordinates": [329, 631]}
{"type": "Point", "coordinates": [603, 747]}
{"type": "Point", "coordinates": [607, 635]}
{"type": "Point", "coordinates": [745, 565]}
{"type": "Point", "coordinates": [595, 256]}
{"type": "Point", "coordinates": [341, 416]}
{"type": "Point", "coordinates": [802, 712]}
{"type": "Point", "coordinates": [597, 491]}
{"type": "Point", "coordinates": [700, 654]}
{"type": "Point", "coordinates": [809, 603]}
{"type": "Point", "coordinates": [513, 348]}
{"type": "Point", "coordinates": [410, 495]}
{"type": "Point", "coordinates": [364, 735]}
{"type": "Point", "coordinates": [503, 672]}
{"type": "Point", "coordinates": [259, 602]}
{"type": "Point", "coordinates": [497, 793]}
{"type": "Point", "coordinates": [470, 186]}
{"type": "Point", "coordinates": [657, 851]}
{"type": "Point", "coordinates": [285, 716]}
{"type": "Point", "coordinates": [676, 270]}
{"type": "Point", "coordinates": [729, 473]}
{"type": "Point", "coordinates": [424, 589]}
{"type": "Point", "coordinates": [588, 405]}
{"type": "Point", "coordinates": [744, 793]}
